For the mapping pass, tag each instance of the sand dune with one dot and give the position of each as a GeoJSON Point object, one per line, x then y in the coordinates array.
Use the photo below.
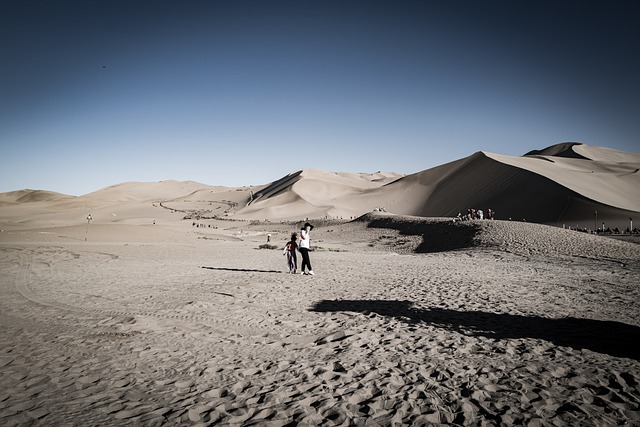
{"type": "Point", "coordinates": [577, 150]}
{"type": "Point", "coordinates": [29, 196]}
{"type": "Point", "coordinates": [520, 189]}
{"type": "Point", "coordinates": [314, 186]}
{"type": "Point", "coordinates": [146, 191]}
{"type": "Point", "coordinates": [315, 194]}
{"type": "Point", "coordinates": [562, 185]}
{"type": "Point", "coordinates": [610, 183]}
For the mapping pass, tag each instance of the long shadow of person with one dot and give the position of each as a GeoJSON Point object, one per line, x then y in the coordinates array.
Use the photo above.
{"type": "Point", "coordinates": [608, 337]}
{"type": "Point", "coordinates": [242, 270]}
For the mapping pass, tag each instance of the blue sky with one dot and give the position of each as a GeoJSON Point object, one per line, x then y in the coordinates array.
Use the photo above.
{"type": "Point", "coordinates": [95, 93]}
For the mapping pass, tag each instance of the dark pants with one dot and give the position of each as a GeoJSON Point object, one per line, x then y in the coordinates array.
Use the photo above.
{"type": "Point", "coordinates": [305, 259]}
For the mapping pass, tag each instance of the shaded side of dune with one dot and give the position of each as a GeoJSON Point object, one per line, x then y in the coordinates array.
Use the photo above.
{"type": "Point", "coordinates": [277, 187]}
{"type": "Point", "coordinates": [438, 234]}
{"type": "Point", "coordinates": [559, 150]}
{"type": "Point", "coordinates": [444, 234]}
{"type": "Point", "coordinates": [511, 192]}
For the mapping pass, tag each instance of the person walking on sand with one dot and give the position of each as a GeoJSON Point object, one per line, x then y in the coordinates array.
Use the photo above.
{"type": "Point", "coordinates": [304, 249]}
{"type": "Point", "coordinates": [290, 253]}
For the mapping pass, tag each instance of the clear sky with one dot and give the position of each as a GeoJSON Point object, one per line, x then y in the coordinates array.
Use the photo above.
{"type": "Point", "coordinates": [95, 93]}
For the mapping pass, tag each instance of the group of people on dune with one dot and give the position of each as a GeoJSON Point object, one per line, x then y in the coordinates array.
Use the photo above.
{"type": "Point", "coordinates": [476, 214]}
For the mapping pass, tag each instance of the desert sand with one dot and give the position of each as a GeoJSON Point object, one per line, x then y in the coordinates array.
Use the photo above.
{"type": "Point", "coordinates": [163, 310]}
{"type": "Point", "coordinates": [175, 324]}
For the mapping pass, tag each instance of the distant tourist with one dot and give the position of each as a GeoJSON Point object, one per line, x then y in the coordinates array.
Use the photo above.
{"type": "Point", "coordinates": [304, 249]}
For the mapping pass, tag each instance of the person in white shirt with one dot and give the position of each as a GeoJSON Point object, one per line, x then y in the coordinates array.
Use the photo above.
{"type": "Point", "coordinates": [303, 247]}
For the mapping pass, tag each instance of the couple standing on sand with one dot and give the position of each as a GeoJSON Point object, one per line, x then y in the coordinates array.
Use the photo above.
{"type": "Point", "coordinates": [303, 247]}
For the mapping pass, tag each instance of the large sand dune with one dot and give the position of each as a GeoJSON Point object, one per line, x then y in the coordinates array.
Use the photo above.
{"type": "Point", "coordinates": [563, 184]}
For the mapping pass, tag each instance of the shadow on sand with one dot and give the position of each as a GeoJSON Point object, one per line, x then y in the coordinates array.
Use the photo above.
{"type": "Point", "coordinates": [608, 337]}
{"type": "Point", "coordinates": [244, 270]}
{"type": "Point", "coordinates": [438, 235]}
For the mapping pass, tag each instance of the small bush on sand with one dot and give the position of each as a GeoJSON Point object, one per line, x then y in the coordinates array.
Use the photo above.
{"type": "Point", "coordinates": [268, 246]}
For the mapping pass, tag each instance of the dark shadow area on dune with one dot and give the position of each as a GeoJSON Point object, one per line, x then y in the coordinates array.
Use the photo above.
{"type": "Point", "coordinates": [608, 337]}
{"type": "Point", "coordinates": [244, 270]}
{"type": "Point", "coordinates": [437, 235]}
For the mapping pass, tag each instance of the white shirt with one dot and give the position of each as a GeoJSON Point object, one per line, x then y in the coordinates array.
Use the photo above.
{"type": "Point", "coordinates": [304, 235]}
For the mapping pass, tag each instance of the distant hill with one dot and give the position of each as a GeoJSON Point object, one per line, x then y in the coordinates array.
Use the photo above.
{"type": "Point", "coordinates": [141, 191]}
{"type": "Point", "coordinates": [30, 196]}
{"type": "Point", "coordinates": [562, 184]}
